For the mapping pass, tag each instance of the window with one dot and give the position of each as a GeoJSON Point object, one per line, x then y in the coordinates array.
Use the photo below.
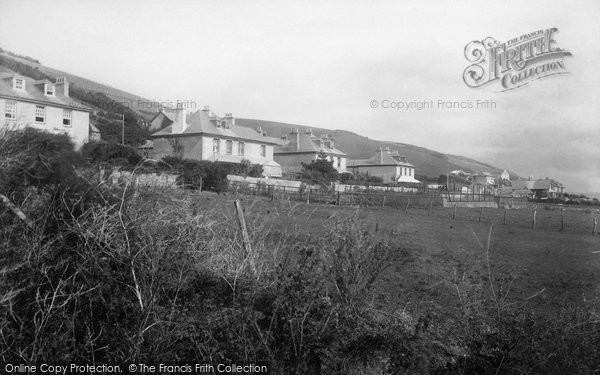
{"type": "Point", "coordinates": [10, 110]}
{"type": "Point", "coordinates": [49, 89]}
{"type": "Point", "coordinates": [67, 114]}
{"type": "Point", "coordinates": [241, 147]}
{"type": "Point", "coordinates": [19, 84]}
{"type": "Point", "coordinates": [263, 151]}
{"type": "Point", "coordinates": [229, 146]}
{"type": "Point", "coordinates": [40, 114]}
{"type": "Point", "coordinates": [216, 146]}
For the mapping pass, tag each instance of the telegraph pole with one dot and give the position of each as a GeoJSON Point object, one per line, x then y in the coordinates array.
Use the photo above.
{"type": "Point", "coordinates": [122, 128]}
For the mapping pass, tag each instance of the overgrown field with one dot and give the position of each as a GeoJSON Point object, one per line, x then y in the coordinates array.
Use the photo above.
{"type": "Point", "coordinates": [117, 274]}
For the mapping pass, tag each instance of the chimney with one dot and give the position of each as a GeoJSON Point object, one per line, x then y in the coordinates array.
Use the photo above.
{"type": "Point", "coordinates": [229, 120]}
{"type": "Point", "coordinates": [379, 152]}
{"type": "Point", "coordinates": [309, 132]}
{"type": "Point", "coordinates": [387, 149]}
{"type": "Point", "coordinates": [295, 135]}
{"type": "Point", "coordinates": [62, 86]}
{"type": "Point", "coordinates": [178, 116]}
{"type": "Point", "coordinates": [403, 159]}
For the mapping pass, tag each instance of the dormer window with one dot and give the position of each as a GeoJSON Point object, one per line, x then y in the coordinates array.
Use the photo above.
{"type": "Point", "coordinates": [49, 89]}
{"type": "Point", "coordinates": [19, 84]}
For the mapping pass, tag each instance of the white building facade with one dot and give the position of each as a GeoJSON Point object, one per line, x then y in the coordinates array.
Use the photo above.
{"type": "Point", "coordinates": [43, 105]}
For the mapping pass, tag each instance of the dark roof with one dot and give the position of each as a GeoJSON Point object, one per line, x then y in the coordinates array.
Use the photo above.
{"type": "Point", "coordinates": [34, 92]}
{"type": "Point", "coordinates": [200, 122]}
{"type": "Point", "coordinates": [545, 184]}
{"type": "Point", "coordinates": [382, 157]}
{"type": "Point", "coordinates": [307, 143]}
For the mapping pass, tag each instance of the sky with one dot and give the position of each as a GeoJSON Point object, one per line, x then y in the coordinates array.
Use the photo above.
{"type": "Point", "coordinates": [323, 64]}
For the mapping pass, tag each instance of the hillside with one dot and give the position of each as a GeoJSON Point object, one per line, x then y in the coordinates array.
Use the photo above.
{"type": "Point", "coordinates": [428, 162]}
{"type": "Point", "coordinates": [128, 99]}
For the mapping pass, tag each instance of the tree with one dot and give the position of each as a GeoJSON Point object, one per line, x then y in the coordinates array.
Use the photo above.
{"type": "Point", "coordinates": [320, 169]}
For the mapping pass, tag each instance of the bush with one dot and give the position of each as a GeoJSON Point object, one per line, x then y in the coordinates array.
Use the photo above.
{"type": "Point", "coordinates": [207, 175]}
{"type": "Point", "coordinates": [111, 153]}
{"type": "Point", "coordinates": [31, 157]}
{"type": "Point", "coordinates": [320, 170]}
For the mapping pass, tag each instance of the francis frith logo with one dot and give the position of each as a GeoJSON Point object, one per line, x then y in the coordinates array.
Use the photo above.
{"type": "Point", "coordinates": [515, 63]}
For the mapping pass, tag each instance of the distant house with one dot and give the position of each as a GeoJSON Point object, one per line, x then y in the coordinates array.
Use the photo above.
{"type": "Point", "coordinates": [484, 178]}
{"type": "Point", "coordinates": [390, 166]}
{"type": "Point", "coordinates": [517, 188]}
{"type": "Point", "coordinates": [43, 105]}
{"type": "Point", "coordinates": [546, 188]}
{"type": "Point", "coordinates": [305, 147]}
{"type": "Point", "coordinates": [505, 175]}
{"type": "Point", "coordinates": [205, 136]}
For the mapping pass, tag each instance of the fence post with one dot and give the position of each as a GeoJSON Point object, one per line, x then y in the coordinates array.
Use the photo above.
{"type": "Point", "coordinates": [595, 224]}
{"type": "Point", "coordinates": [481, 213]}
{"type": "Point", "coordinates": [562, 221]}
{"type": "Point", "coordinates": [383, 202]}
{"type": "Point", "coordinates": [242, 223]}
{"type": "Point", "coordinates": [533, 224]}
{"type": "Point", "coordinates": [338, 198]}
{"type": "Point", "coordinates": [272, 193]}
{"type": "Point", "coordinates": [308, 196]}
{"type": "Point", "coordinates": [454, 212]}
{"type": "Point", "coordinates": [430, 206]}
{"type": "Point", "coordinates": [504, 220]}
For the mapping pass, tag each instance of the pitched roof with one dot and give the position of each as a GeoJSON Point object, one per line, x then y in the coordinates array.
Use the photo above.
{"type": "Point", "coordinates": [307, 142]}
{"type": "Point", "coordinates": [519, 184]}
{"type": "Point", "coordinates": [34, 92]}
{"type": "Point", "coordinates": [381, 157]}
{"type": "Point", "coordinates": [200, 122]}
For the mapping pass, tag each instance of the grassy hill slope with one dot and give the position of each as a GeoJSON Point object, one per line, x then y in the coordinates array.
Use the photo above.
{"type": "Point", "coordinates": [428, 162]}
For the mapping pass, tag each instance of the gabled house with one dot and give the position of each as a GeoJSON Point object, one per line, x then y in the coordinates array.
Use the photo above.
{"type": "Point", "coordinates": [305, 147]}
{"type": "Point", "coordinates": [484, 178]}
{"type": "Point", "coordinates": [390, 166]}
{"type": "Point", "coordinates": [43, 105]}
{"type": "Point", "coordinates": [517, 188]}
{"type": "Point", "coordinates": [202, 135]}
{"type": "Point", "coordinates": [546, 188]}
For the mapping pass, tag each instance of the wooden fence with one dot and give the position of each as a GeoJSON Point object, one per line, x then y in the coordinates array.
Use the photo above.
{"type": "Point", "coordinates": [362, 198]}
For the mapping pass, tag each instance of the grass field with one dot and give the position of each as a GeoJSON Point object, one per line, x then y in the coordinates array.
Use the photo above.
{"type": "Point", "coordinates": [547, 267]}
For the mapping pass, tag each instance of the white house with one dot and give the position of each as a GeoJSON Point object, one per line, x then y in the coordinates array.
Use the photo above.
{"type": "Point", "coordinates": [390, 166]}
{"type": "Point", "coordinates": [304, 148]}
{"type": "Point", "coordinates": [202, 135]}
{"type": "Point", "coordinates": [43, 105]}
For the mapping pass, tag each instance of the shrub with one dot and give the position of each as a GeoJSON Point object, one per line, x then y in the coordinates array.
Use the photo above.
{"type": "Point", "coordinates": [31, 157]}
{"type": "Point", "coordinates": [320, 169]}
{"type": "Point", "coordinates": [111, 153]}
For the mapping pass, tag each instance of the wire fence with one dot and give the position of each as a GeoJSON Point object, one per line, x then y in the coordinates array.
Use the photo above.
{"type": "Point", "coordinates": [581, 220]}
